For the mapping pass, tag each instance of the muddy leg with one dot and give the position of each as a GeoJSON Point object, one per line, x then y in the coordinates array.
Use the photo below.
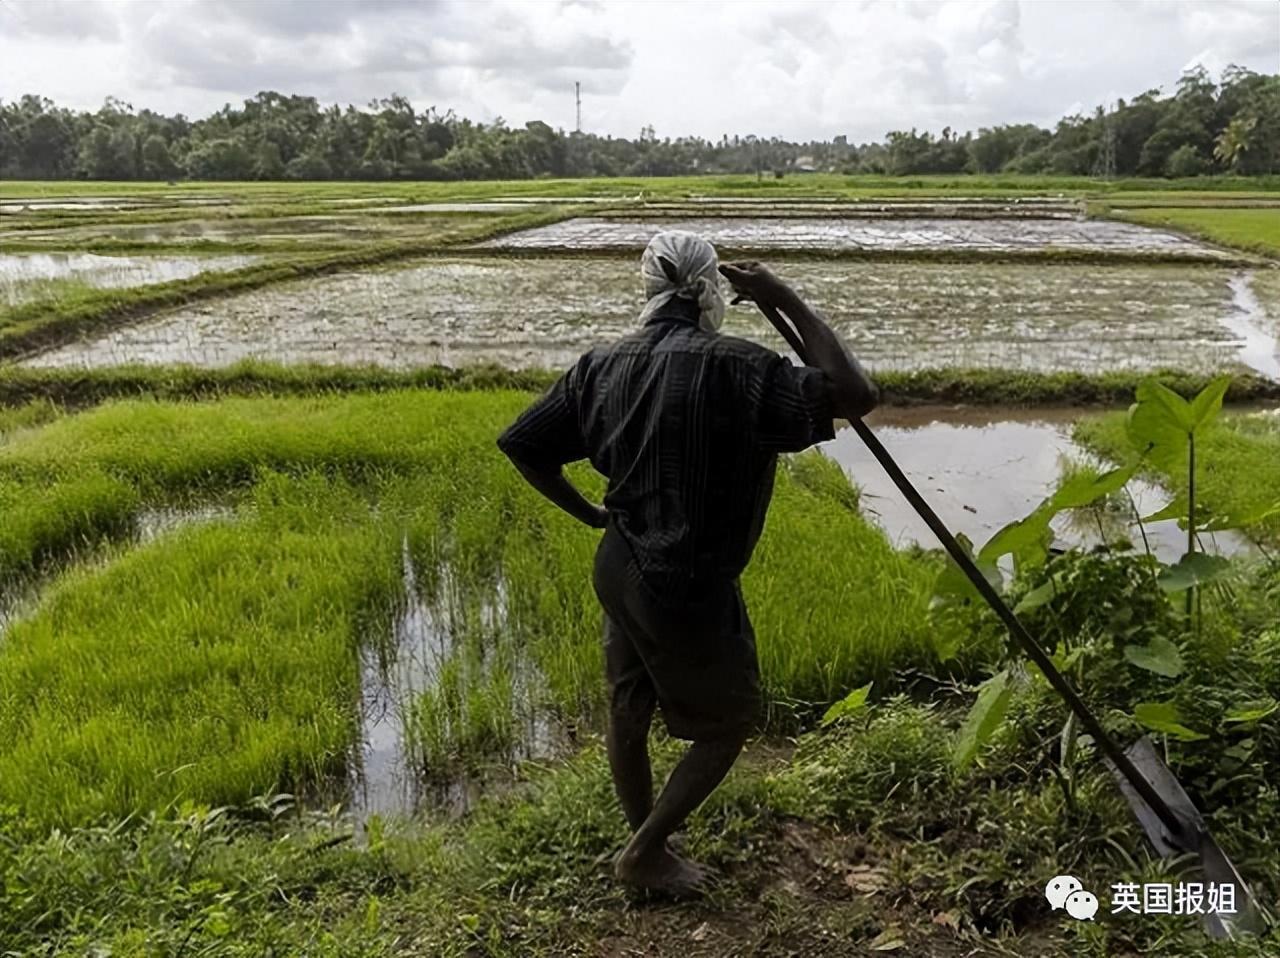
{"type": "Point", "coordinates": [627, 741]}
{"type": "Point", "coordinates": [646, 861]}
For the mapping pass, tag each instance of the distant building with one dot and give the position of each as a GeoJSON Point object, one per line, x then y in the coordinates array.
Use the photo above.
{"type": "Point", "coordinates": [804, 164]}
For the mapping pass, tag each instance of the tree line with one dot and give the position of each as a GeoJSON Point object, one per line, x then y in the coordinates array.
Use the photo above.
{"type": "Point", "coordinates": [1202, 127]}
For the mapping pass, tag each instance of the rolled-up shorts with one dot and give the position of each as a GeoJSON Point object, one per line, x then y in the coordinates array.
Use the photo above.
{"type": "Point", "coordinates": [696, 660]}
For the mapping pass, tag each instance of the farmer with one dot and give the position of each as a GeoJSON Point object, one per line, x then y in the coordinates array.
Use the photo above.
{"type": "Point", "coordinates": [686, 424]}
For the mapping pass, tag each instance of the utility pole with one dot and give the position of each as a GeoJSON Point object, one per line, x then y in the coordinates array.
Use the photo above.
{"type": "Point", "coordinates": [577, 99]}
{"type": "Point", "coordinates": [1104, 165]}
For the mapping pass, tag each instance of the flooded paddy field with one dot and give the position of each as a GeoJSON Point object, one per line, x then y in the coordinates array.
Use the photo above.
{"type": "Point", "coordinates": [544, 312]}
{"type": "Point", "coordinates": [854, 234]}
{"type": "Point", "coordinates": [982, 468]}
{"type": "Point", "coordinates": [325, 231]}
{"type": "Point", "coordinates": [28, 276]}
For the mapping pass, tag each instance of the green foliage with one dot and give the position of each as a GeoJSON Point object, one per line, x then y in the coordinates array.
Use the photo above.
{"type": "Point", "coordinates": [1235, 475]}
{"type": "Point", "coordinates": [1192, 570]}
{"type": "Point", "coordinates": [850, 705]}
{"type": "Point", "coordinates": [983, 719]}
{"type": "Point", "coordinates": [1234, 124]}
{"type": "Point", "coordinates": [1159, 656]}
{"type": "Point", "coordinates": [1164, 717]}
{"type": "Point", "coordinates": [850, 771]}
{"type": "Point", "coordinates": [1027, 539]}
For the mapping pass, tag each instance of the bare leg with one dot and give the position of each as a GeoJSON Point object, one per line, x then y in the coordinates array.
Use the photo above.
{"type": "Point", "coordinates": [646, 861]}
{"type": "Point", "coordinates": [627, 741]}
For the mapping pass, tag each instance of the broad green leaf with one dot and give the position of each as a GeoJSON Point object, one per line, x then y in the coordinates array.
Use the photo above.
{"type": "Point", "coordinates": [1157, 432]}
{"type": "Point", "coordinates": [983, 719]}
{"type": "Point", "coordinates": [1194, 568]}
{"type": "Point", "coordinates": [1177, 509]}
{"type": "Point", "coordinates": [1084, 489]}
{"type": "Point", "coordinates": [1252, 714]}
{"type": "Point", "coordinates": [1159, 656]}
{"type": "Point", "coordinates": [1208, 403]}
{"type": "Point", "coordinates": [953, 583]}
{"type": "Point", "coordinates": [1063, 659]}
{"type": "Point", "coordinates": [1164, 717]}
{"type": "Point", "coordinates": [851, 703]}
{"type": "Point", "coordinates": [1037, 597]}
{"type": "Point", "coordinates": [1175, 409]}
{"type": "Point", "coordinates": [1026, 539]}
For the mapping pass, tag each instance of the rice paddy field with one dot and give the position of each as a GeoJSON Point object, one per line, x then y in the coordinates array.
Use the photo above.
{"type": "Point", "coordinates": [293, 662]}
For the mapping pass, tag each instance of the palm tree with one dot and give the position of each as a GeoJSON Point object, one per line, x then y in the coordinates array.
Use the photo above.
{"type": "Point", "coordinates": [1235, 142]}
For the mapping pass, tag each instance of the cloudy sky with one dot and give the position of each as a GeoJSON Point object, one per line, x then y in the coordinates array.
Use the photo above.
{"type": "Point", "coordinates": [789, 68]}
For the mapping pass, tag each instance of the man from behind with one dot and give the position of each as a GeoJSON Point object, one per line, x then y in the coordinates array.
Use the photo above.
{"type": "Point", "coordinates": [686, 424]}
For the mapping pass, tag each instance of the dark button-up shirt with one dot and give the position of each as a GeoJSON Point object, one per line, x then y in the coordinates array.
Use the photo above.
{"type": "Point", "coordinates": [686, 425]}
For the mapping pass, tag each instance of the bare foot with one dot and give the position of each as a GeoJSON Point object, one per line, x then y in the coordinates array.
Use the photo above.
{"type": "Point", "coordinates": [661, 871]}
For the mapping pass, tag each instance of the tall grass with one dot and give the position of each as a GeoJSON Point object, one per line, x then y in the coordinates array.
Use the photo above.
{"type": "Point", "coordinates": [21, 385]}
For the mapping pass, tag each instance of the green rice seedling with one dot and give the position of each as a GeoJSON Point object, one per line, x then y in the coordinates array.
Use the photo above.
{"type": "Point", "coordinates": [34, 412]}
{"type": "Point", "coordinates": [48, 520]}
{"type": "Point", "coordinates": [215, 664]}
{"type": "Point", "coordinates": [833, 603]}
{"type": "Point", "coordinates": [335, 490]}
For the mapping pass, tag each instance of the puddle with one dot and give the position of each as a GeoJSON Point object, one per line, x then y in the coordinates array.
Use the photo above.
{"type": "Point", "coordinates": [390, 775]}
{"type": "Point", "coordinates": [981, 469]}
{"type": "Point", "coordinates": [544, 312]}
{"type": "Point", "coordinates": [20, 597]}
{"type": "Point", "coordinates": [153, 522]}
{"type": "Point", "coordinates": [386, 780]}
{"type": "Point", "coordinates": [983, 235]}
{"type": "Point", "coordinates": [25, 276]}
{"type": "Point", "coordinates": [1259, 349]}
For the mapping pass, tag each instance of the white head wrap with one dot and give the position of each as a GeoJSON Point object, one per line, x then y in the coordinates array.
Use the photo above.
{"type": "Point", "coordinates": [693, 262]}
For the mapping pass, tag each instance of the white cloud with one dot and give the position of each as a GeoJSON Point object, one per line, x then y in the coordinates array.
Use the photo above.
{"type": "Point", "coordinates": [792, 68]}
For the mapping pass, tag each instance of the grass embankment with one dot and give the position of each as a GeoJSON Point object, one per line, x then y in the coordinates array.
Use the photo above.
{"type": "Point", "coordinates": [1257, 230]}
{"type": "Point", "coordinates": [809, 184]}
{"type": "Point", "coordinates": [161, 689]}
{"type": "Point", "coordinates": [1237, 463]}
{"type": "Point", "coordinates": [77, 388]}
{"type": "Point", "coordinates": [1032, 256]}
{"type": "Point", "coordinates": [867, 840]}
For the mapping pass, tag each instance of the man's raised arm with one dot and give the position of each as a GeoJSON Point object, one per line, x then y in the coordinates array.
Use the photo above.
{"type": "Point", "coordinates": [853, 392]}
